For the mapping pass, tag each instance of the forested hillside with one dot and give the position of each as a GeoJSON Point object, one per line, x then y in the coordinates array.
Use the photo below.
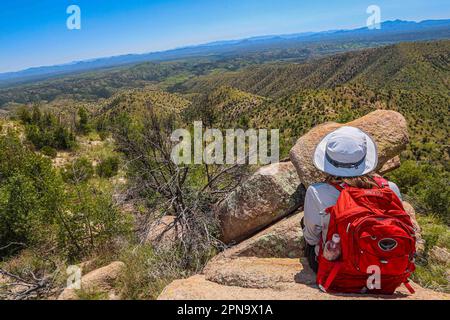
{"type": "Point", "coordinates": [268, 73]}
{"type": "Point", "coordinates": [422, 65]}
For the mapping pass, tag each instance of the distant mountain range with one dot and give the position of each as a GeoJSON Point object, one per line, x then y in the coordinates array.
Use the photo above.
{"type": "Point", "coordinates": [390, 32]}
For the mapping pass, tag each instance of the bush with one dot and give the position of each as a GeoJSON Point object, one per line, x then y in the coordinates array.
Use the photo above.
{"type": "Point", "coordinates": [45, 130]}
{"type": "Point", "coordinates": [24, 115]}
{"type": "Point", "coordinates": [41, 213]}
{"type": "Point", "coordinates": [91, 221]}
{"type": "Point", "coordinates": [30, 194]}
{"type": "Point", "coordinates": [49, 152]}
{"type": "Point", "coordinates": [426, 185]}
{"type": "Point", "coordinates": [78, 171]}
{"type": "Point", "coordinates": [108, 167]}
{"type": "Point", "coordinates": [83, 125]}
{"type": "Point", "coordinates": [63, 138]}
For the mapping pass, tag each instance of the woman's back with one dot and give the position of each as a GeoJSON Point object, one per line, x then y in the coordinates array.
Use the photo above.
{"type": "Point", "coordinates": [319, 197]}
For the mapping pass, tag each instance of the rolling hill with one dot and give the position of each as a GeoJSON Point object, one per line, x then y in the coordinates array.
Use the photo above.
{"type": "Point", "coordinates": [418, 65]}
{"type": "Point", "coordinates": [135, 102]}
{"type": "Point", "coordinates": [224, 107]}
{"type": "Point", "coordinates": [412, 78]}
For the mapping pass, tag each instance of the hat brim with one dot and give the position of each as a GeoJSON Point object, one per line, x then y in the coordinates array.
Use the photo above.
{"type": "Point", "coordinates": [369, 164]}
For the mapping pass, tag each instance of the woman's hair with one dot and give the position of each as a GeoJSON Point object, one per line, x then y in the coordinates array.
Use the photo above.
{"type": "Point", "coordinates": [366, 181]}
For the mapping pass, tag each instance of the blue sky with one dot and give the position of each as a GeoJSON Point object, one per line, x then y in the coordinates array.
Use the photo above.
{"type": "Point", "coordinates": [34, 32]}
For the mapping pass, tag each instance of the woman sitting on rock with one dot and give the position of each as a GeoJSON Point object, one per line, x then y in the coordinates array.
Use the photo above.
{"type": "Point", "coordinates": [348, 156]}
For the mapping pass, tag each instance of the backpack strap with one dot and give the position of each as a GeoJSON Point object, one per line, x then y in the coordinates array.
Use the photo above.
{"type": "Point", "coordinates": [381, 182]}
{"type": "Point", "coordinates": [409, 287]}
{"type": "Point", "coordinates": [338, 186]}
{"type": "Point", "coordinates": [331, 276]}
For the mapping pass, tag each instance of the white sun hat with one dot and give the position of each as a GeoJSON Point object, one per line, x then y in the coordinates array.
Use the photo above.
{"type": "Point", "coordinates": [346, 152]}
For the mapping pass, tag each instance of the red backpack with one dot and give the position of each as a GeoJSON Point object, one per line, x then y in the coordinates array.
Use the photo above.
{"type": "Point", "coordinates": [377, 238]}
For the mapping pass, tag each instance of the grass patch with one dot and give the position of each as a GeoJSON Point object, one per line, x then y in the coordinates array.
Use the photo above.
{"type": "Point", "coordinates": [148, 271]}
{"type": "Point", "coordinates": [434, 231]}
{"type": "Point", "coordinates": [91, 295]}
{"type": "Point", "coordinates": [430, 273]}
{"type": "Point", "coordinates": [433, 276]}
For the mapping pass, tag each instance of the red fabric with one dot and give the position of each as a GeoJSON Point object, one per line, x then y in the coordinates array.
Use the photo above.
{"type": "Point", "coordinates": [409, 287]}
{"type": "Point", "coordinates": [363, 218]}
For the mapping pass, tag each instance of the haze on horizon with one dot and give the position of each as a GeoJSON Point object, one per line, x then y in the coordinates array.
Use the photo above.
{"type": "Point", "coordinates": [34, 33]}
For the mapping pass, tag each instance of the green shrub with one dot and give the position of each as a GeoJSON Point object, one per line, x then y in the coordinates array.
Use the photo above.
{"type": "Point", "coordinates": [426, 185]}
{"type": "Point", "coordinates": [108, 167]}
{"type": "Point", "coordinates": [49, 152]}
{"type": "Point", "coordinates": [24, 115]}
{"type": "Point", "coordinates": [63, 138]}
{"type": "Point", "coordinates": [91, 221]}
{"type": "Point", "coordinates": [44, 129]}
{"type": "Point", "coordinates": [83, 125]}
{"type": "Point", "coordinates": [78, 171]}
{"type": "Point", "coordinates": [30, 194]}
{"type": "Point", "coordinates": [39, 211]}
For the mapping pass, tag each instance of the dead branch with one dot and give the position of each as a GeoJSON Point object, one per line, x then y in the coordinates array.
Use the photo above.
{"type": "Point", "coordinates": [24, 289]}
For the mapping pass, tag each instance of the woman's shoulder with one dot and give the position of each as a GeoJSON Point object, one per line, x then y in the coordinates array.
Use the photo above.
{"type": "Point", "coordinates": [395, 188]}
{"type": "Point", "coordinates": [320, 188]}
{"type": "Point", "coordinates": [392, 186]}
{"type": "Point", "coordinates": [323, 195]}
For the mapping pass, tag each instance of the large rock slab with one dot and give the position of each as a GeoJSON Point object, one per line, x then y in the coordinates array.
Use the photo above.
{"type": "Point", "coordinates": [270, 279]}
{"type": "Point", "coordinates": [387, 128]}
{"type": "Point", "coordinates": [284, 239]}
{"type": "Point", "coordinates": [99, 281]}
{"type": "Point", "coordinates": [251, 272]}
{"type": "Point", "coordinates": [271, 193]}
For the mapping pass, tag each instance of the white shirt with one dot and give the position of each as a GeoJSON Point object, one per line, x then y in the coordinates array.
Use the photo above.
{"type": "Point", "coordinates": [319, 197]}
